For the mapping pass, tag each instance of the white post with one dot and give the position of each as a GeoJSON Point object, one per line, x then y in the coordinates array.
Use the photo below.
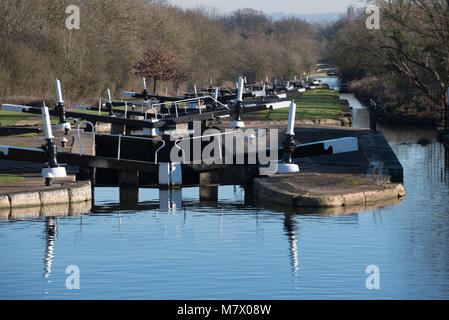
{"type": "Point", "coordinates": [109, 95]}
{"type": "Point", "coordinates": [119, 146]}
{"type": "Point", "coordinates": [63, 124]}
{"type": "Point", "coordinates": [241, 84]}
{"type": "Point", "coordinates": [196, 91]}
{"type": "Point", "coordinates": [144, 84]}
{"type": "Point", "coordinates": [53, 170]}
{"type": "Point", "coordinates": [99, 107]}
{"type": "Point", "coordinates": [216, 94]}
{"type": "Point", "coordinates": [58, 91]}
{"type": "Point", "coordinates": [238, 123]}
{"type": "Point", "coordinates": [47, 123]}
{"type": "Point", "coordinates": [291, 120]}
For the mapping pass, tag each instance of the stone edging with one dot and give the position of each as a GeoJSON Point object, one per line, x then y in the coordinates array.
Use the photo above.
{"type": "Point", "coordinates": [76, 192]}
{"type": "Point", "coordinates": [262, 190]}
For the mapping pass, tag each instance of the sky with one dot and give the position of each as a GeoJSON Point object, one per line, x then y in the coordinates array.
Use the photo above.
{"type": "Point", "coordinates": [271, 6]}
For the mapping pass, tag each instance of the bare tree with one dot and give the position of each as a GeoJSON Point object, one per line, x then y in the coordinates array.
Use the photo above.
{"type": "Point", "coordinates": [160, 64]}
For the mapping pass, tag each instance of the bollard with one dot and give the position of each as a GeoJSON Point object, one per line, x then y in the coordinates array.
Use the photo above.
{"type": "Point", "coordinates": [64, 142]}
{"type": "Point", "coordinates": [50, 150]}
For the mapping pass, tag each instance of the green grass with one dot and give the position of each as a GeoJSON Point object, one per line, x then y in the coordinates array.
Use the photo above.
{"type": "Point", "coordinates": [10, 118]}
{"type": "Point", "coordinates": [313, 104]}
{"type": "Point", "coordinates": [7, 179]}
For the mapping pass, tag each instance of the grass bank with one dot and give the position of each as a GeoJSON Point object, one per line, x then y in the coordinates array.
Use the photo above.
{"type": "Point", "coordinates": [7, 179]}
{"type": "Point", "coordinates": [10, 118]}
{"type": "Point", "coordinates": [313, 104]}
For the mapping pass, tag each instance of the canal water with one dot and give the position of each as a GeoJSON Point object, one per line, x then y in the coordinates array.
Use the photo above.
{"type": "Point", "coordinates": [234, 250]}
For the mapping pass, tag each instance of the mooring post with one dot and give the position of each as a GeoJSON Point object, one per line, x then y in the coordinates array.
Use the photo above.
{"type": "Point", "coordinates": [60, 109]}
{"type": "Point", "coordinates": [50, 149]}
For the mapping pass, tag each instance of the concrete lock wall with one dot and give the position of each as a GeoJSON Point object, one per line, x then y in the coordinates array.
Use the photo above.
{"type": "Point", "coordinates": [70, 193]}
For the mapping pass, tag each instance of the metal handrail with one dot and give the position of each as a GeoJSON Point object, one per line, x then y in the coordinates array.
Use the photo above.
{"type": "Point", "coordinates": [176, 103]}
{"type": "Point", "coordinates": [148, 110]}
{"type": "Point", "coordinates": [133, 137]}
{"type": "Point", "coordinates": [190, 100]}
{"type": "Point", "coordinates": [157, 151]}
{"type": "Point", "coordinates": [79, 137]}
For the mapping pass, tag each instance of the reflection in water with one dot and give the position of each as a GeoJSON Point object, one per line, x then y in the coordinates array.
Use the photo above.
{"type": "Point", "coordinates": [290, 230]}
{"type": "Point", "coordinates": [50, 233]}
{"type": "Point", "coordinates": [360, 114]}
{"type": "Point", "coordinates": [220, 223]}
{"type": "Point", "coordinates": [332, 82]}
{"type": "Point", "coordinates": [170, 200]}
{"type": "Point", "coordinates": [408, 240]}
{"type": "Point", "coordinates": [436, 157]}
{"type": "Point", "coordinates": [446, 163]}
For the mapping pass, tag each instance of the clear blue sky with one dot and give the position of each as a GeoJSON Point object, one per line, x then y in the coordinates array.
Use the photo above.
{"type": "Point", "coordinates": [271, 6]}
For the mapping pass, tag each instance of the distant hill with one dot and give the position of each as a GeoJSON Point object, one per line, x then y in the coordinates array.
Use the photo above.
{"type": "Point", "coordinates": [310, 17]}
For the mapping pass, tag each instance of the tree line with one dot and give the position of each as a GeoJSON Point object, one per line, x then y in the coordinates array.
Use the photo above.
{"type": "Point", "coordinates": [404, 64]}
{"type": "Point", "coordinates": [114, 37]}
